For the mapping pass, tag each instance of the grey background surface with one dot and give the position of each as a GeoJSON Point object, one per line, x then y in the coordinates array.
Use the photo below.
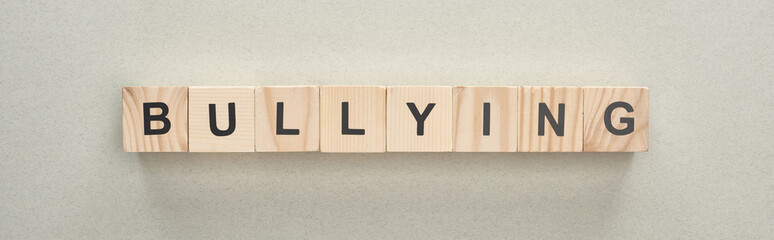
{"type": "Point", "coordinates": [708, 174]}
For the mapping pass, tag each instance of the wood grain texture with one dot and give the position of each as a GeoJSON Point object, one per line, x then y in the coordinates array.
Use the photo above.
{"type": "Point", "coordinates": [468, 119]}
{"type": "Point", "coordinates": [201, 138]}
{"type": "Point", "coordinates": [366, 111]}
{"type": "Point", "coordinates": [301, 108]}
{"type": "Point", "coordinates": [176, 99]}
{"type": "Point", "coordinates": [597, 138]}
{"type": "Point", "coordinates": [402, 126]}
{"type": "Point", "coordinates": [530, 98]}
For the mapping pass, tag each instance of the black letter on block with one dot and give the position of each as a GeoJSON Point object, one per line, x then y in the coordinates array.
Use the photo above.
{"type": "Point", "coordinates": [280, 114]}
{"type": "Point", "coordinates": [629, 121]}
{"type": "Point", "coordinates": [345, 130]}
{"type": "Point", "coordinates": [231, 121]}
{"type": "Point", "coordinates": [486, 119]}
{"type": "Point", "coordinates": [545, 113]}
{"type": "Point", "coordinates": [161, 117]}
{"type": "Point", "coordinates": [420, 117]}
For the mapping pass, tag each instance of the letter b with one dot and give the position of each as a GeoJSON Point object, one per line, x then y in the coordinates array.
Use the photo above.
{"type": "Point", "coordinates": [147, 118]}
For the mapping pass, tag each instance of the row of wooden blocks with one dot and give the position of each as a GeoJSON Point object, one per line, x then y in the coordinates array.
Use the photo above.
{"type": "Point", "coordinates": [379, 119]}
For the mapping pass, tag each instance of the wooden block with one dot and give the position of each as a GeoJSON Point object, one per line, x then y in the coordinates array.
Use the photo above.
{"type": "Point", "coordinates": [352, 119]}
{"type": "Point", "coordinates": [485, 119]}
{"type": "Point", "coordinates": [221, 119]}
{"type": "Point", "coordinates": [615, 119]}
{"type": "Point", "coordinates": [419, 119]}
{"type": "Point", "coordinates": [287, 119]}
{"type": "Point", "coordinates": [551, 119]}
{"type": "Point", "coordinates": [155, 119]}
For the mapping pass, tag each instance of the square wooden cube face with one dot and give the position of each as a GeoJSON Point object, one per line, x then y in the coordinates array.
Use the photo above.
{"type": "Point", "coordinates": [287, 119]}
{"type": "Point", "coordinates": [352, 119]}
{"type": "Point", "coordinates": [221, 119]}
{"type": "Point", "coordinates": [542, 108]}
{"type": "Point", "coordinates": [615, 119]}
{"type": "Point", "coordinates": [485, 119]}
{"type": "Point", "coordinates": [419, 119]}
{"type": "Point", "coordinates": [155, 119]}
